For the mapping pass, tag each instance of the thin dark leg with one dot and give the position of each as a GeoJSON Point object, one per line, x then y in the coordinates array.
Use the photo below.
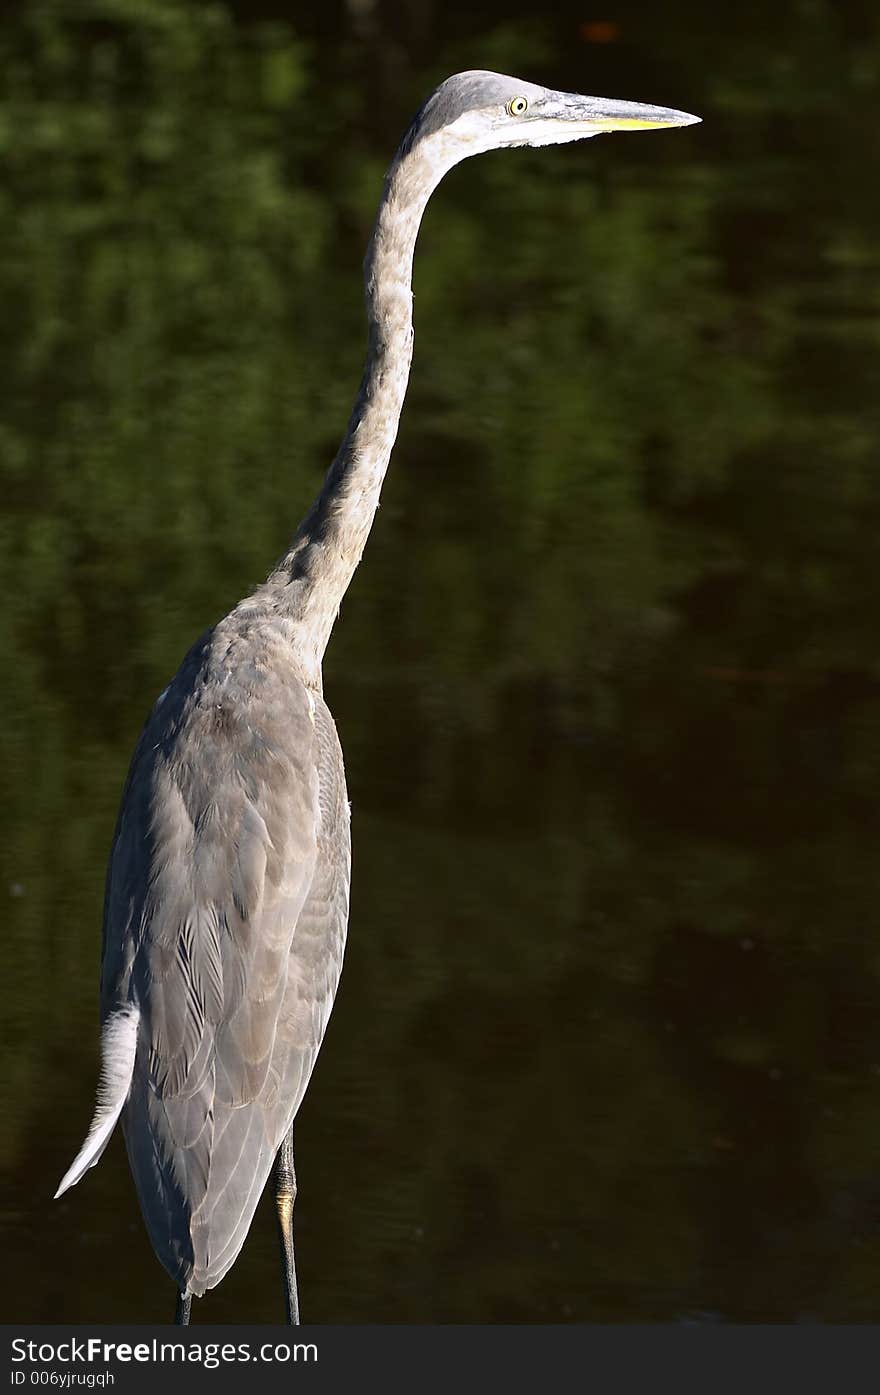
{"type": "Point", "coordinates": [181, 1312]}
{"type": "Point", "coordinates": [284, 1178]}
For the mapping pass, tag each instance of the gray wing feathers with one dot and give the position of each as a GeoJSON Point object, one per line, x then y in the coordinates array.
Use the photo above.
{"type": "Point", "coordinates": [231, 946]}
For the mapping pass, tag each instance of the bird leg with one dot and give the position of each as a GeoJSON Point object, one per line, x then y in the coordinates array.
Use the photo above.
{"type": "Point", "coordinates": [284, 1178]}
{"type": "Point", "coordinates": [181, 1312]}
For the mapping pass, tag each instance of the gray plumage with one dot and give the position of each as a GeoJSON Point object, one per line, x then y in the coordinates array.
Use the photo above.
{"type": "Point", "coordinates": [236, 805]}
{"type": "Point", "coordinates": [228, 886]}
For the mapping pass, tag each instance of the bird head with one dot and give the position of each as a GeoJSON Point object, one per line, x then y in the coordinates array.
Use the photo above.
{"type": "Point", "coordinates": [477, 111]}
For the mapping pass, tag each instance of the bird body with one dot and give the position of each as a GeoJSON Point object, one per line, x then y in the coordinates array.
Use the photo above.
{"type": "Point", "coordinates": [227, 894]}
{"type": "Point", "coordinates": [245, 815]}
{"type": "Point", "coordinates": [236, 804]}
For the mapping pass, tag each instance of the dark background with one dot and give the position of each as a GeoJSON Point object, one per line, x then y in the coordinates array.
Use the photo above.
{"type": "Point", "coordinates": [606, 1046]}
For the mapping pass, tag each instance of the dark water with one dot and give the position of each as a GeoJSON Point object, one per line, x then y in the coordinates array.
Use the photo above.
{"type": "Point", "coordinates": [607, 1042]}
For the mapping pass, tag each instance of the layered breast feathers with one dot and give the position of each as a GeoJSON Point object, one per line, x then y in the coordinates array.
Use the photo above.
{"type": "Point", "coordinates": [234, 816]}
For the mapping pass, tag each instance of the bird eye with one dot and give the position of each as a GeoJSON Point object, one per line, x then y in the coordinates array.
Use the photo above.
{"type": "Point", "coordinates": [517, 106]}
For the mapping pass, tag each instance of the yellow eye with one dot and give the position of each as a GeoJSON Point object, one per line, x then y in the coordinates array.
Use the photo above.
{"type": "Point", "coordinates": [517, 106]}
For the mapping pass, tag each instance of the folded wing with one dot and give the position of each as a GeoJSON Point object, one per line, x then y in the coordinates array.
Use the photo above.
{"type": "Point", "coordinates": [225, 919]}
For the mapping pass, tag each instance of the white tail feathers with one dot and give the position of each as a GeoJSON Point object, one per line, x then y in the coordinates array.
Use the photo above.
{"type": "Point", "coordinates": [118, 1046]}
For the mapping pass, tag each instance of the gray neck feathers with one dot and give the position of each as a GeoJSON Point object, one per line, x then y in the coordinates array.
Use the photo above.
{"type": "Point", "coordinates": [312, 577]}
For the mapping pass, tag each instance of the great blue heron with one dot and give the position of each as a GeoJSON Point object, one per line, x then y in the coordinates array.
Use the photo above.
{"type": "Point", "coordinates": [226, 903]}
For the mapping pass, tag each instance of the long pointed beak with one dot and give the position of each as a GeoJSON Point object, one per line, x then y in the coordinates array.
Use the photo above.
{"type": "Point", "coordinates": [607, 114]}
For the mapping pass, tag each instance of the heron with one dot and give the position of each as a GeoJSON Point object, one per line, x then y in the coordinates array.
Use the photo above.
{"type": "Point", "coordinates": [227, 892]}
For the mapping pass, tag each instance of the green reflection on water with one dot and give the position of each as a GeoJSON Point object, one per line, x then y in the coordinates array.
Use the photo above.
{"type": "Point", "coordinates": [607, 684]}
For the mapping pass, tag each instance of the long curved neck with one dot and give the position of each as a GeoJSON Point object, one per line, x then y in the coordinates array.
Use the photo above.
{"type": "Point", "coordinates": [313, 575]}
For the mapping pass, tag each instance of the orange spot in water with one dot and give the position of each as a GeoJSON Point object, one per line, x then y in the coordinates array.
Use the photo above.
{"type": "Point", "coordinates": [600, 31]}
